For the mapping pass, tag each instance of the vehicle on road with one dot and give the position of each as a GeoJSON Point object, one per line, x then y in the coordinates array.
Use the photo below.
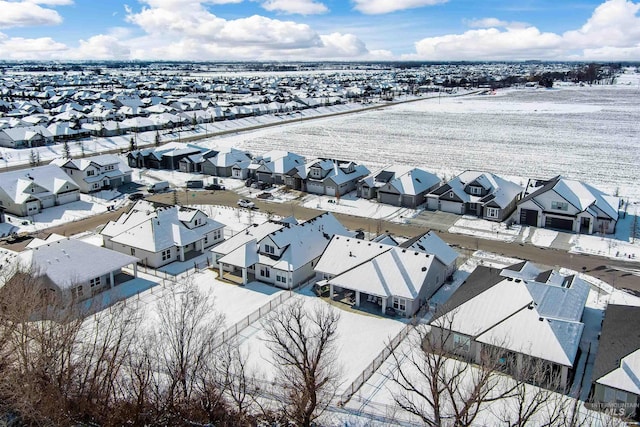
{"type": "Point", "coordinates": [158, 187]}
{"type": "Point", "coordinates": [244, 203]}
{"type": "Point", "coordinates": [214, 187]}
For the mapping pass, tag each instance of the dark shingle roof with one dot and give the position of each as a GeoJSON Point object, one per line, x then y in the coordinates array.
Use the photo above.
{"type": "Point", "coordinates": [620, 337]}
{"type": "Point", "coordinates": [480, 280]}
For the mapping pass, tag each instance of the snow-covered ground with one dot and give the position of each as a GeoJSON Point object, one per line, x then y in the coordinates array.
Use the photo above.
{"type": "Point", "coordinates": [484, 229]}
{"type": "Point", "coordinates": [544, 238]}
{"type": "Point", "coordinates": [352, 205]}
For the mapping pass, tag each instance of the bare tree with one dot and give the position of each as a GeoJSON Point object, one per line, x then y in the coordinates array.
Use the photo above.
{"type": "Point", "coordinates": [302, 341]}
{"type": "Point", "coordinates": [187, 332]}
{"type": "Point", "coordinates": [437, 381]}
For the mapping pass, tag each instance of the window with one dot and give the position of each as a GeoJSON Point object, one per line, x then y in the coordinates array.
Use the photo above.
{"type": "Point", "coordinates": [475, 190]}
{"type": "Point", "coordinates": [166, 254]}
{"type": "Point", "coordinates": [76, 293]}
{"type": "Point", "coordinates": [613, 395]}
{"type": "Point", "coordinates": [269, 249]}
{"type": "Point", "coordinates": [561, 206]}
{"type": "Point", "coordinates": [133, 251]}
{"type": "Point", "coordinates": [493, 212]}
{"type": "Point", "coordinates": [94, 283]}
{"type": "Point", "coordinates": [198, 221]}
{"type": "Point", "coordinates": [96, 185]}
{"type": "Point", "coordinates": [451, 194]}
{"type": "Point", "coordinates": [206, 240]}
{"type": "Point", "coordinates": [281, 279]}
{"type": "Point", "coordinates": [462, 343]}
{"type": "Point", "coordinates": [399, 304]}
{"type": "Point", "coordinates": [217, 234]}
{"type": "Point", "coordinates": [91, 172]}
{"type": "Point", "coordinates": [265, 272]}
{"type": "Point", "coordinates": [109, 167]}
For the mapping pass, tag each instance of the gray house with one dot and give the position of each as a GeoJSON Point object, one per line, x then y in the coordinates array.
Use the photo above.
{"type": "Point", "coordinates": [615, 381]}
{"type": "Point", "coordinates": [96, 173]}
{"type": "Point", "coordinates": [398, 186]}
{"type": "Point", "coordinates": [493, 307]}
{"type": "Point", "coordinates": [482, 194]}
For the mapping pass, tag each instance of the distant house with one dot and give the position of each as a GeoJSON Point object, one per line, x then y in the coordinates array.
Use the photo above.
{"type": "Point", "coordinates": [25, 136]}
{"type": "Point", "coordinates": [530, 314]}
{"type": "Point", "coordinates": [616, 372]}
{"type": "Point", "coordinates": [569, 205]}
{"type": "Point", "coordinates": [482, 194]}
{"type": "Point", "coordinates": [74, 270]}
{"type": "Point", "coordinates": [398, 186]}
{"type": "Point", "coordinates": [28, 191]}
{"type": "Point", "coordinates": [166, 157]}
{"type": "Point", "coordinates": [279, 253]}
{"type": "Point", "coordinates": [160, 234]}
{"type": "Point", "coordinates": [227, 163]}
{"type": "Point", "coordinates": [274, 166]}
{"type": "Point", "coordinates": [326, 176]}
{"type": "Point", "coordinates": [96, 173]}
{"type": "Point", "coordinates": [382, 275]}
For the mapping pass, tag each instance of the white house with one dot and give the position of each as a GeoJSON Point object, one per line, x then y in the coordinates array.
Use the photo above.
{"type": "Point", "coordinates": [27, 191]}
{"type": "Point", "coordinates": [283, 254]}
{"type": "Point", "coordinates": [527, 312]}
{"type": "Point", "coordinates": [74, 269]}
{"type": "Point", "coordinates": [96, 173]}
{"type": "Point", "coordinates": [381, 275]}
{"type": "Point", "coordinates": [274, 166]}
{"type": "Point", "coordinates": [570, 205]}
{"type": "Point", "coordinates": [159, 234]}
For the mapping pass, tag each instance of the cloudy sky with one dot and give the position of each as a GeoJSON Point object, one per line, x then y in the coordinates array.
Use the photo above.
{"type": "Point", "coordinates": [291, 30]}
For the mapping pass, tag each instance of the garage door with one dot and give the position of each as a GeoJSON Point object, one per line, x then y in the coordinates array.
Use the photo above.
{"type": "Point", "coordinates": [529, 217]}
{"type": "Point", "coordinates": [331, 191]}
{"type": "Point", "coordinates": [68, 197]}
{"type": "Point", "coordinates": [315, 187]}
{"type": "Point", "coordinates": [389, 198]}
{"type": "Point", "coordinates": [559, 223]}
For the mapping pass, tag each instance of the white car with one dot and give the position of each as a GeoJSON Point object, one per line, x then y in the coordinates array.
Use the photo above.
{"type": "Point", "coordinates": [244, 203]}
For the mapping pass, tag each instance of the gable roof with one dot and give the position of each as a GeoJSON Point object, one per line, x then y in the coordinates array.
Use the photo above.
{"type": "Point", "coordinates": [67, 262]}
{"type": "Point", "coordinates": [494, 306]}
{"type": "Point", "coordinates": [155, 227]}
{"type": "Point", "coordinates": [617, 360]}
{"type": "Point", "coordinates": [432, 244]}
{"type": "Point", "coordinates": [49, 177]}
{"type": "Point", "coordinates": [580, 195]}
{"type": "Point", "coordinates": [500, 191]}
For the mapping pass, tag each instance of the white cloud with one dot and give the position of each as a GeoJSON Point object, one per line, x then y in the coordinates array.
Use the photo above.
{"type": "Point", "coordinates": [302, 7]}
{"type": "Point", "coordinates": [23, 14]}
{"type": "Point", "coordinates": [24, 48]}
{"type": "Point", "coordinates": [494, 23]}
{"type": "Point", "coordinates": [100, 46]}
{"type": "Point", "coordinates": [375, 7]}
{"type": "Point", "coordinates": [614, 23]}
{"type": "Point", "coordinates": [612, 33]}
{"type": "Point", "coordinates": [51, 2]}
{"type": "Point", "coordinates": [193, 32]}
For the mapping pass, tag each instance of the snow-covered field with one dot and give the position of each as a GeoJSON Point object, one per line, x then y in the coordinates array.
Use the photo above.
{"type": "Point", "coordinates": [585, 133]}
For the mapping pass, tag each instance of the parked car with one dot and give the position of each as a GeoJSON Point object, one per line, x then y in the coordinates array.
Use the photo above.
{"type": "Point", "coordinates": [214, 187]}
{"type": "Point", "coordinates": [136, 196]}
{"type": "Point", "coordinates": [158, 187]}
{"type": "Point", "coordinates": [244, 203]}
{"type": "Point", "coordinates": [321, 290]}
{"type": "Point", "coordinates": [195, 183]}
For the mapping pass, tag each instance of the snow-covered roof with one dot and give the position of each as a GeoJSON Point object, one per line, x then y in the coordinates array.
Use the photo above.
{"type": "Point", "coordinates": [500, 191]}
{"type": "Point", "coordinates": [67, 262]}
{"type": "Point", "coordinates": [50, 178]}
{"type": "Point", "coordinates": [498, 313]}
{"type": "Point", "coordinates": [257, 232]}
{"type": "Point", "coordinates": [582, 196]}
{"type": "Point", "coordinates": [627, 376]}
{"type": "Point", "coordinates": [432, 244]}
{"type": "Point", "coordinates": [154, 227]}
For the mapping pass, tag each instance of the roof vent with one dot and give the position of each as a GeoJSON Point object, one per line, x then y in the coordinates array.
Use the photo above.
{"type": "Point", "coordinates": [518, 280]}
{"type": "Point", "coordinates": [424, 268]}
{"type": "Point", "coordinates": [510, 279]}
{"type": "Point", "coordinates": [541, 319]}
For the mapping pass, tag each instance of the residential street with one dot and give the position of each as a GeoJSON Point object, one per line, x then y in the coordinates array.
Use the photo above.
{"type": "Point", "coordinates": [623, 275]}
